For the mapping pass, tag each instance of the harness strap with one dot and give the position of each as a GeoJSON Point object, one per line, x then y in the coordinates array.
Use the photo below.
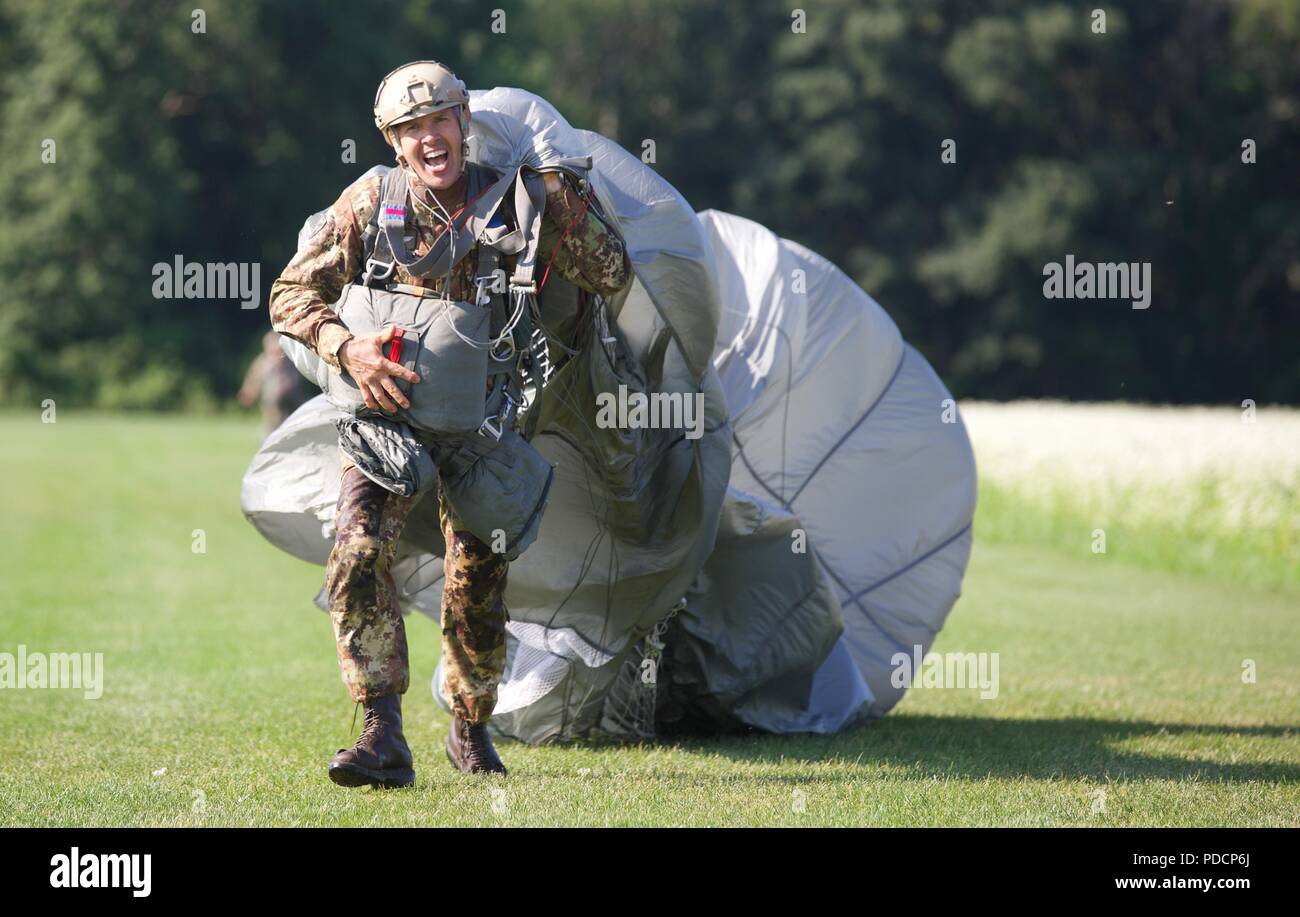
{"type": "Point", "coordinates": [529, 355]}
{"type": "Point", "coordinates": [464, 228]}
{"type": "Point", "coordinates": [530, 202]}
{"type": "Point", "coordinates": [411, 289]}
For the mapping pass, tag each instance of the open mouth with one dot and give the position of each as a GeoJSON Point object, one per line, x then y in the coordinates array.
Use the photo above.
{"type": "Point", "coordinates": [436, 161]}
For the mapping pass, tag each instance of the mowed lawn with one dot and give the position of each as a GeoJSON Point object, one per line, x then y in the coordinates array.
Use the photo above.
{"type": "Point", "coordinates": [1121, 695]}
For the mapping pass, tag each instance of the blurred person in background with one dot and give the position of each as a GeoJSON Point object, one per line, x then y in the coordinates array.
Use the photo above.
{"type": "Point", "coordinates": [273, 380]}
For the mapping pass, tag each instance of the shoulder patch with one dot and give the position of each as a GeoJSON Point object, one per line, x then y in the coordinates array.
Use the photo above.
{"type": "Point", "coordinates": [313, 229]}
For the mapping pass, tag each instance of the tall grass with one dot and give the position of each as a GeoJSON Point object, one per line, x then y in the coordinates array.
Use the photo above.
{"type": "Point", "coordinates": [1199, 490]}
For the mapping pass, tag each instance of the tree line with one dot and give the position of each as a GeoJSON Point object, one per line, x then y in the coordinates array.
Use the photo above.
{"type": "Point", "coordinates": [943, 154]}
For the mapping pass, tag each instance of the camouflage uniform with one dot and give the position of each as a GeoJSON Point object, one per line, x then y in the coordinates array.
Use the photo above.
{"type": "Point", "coordinates": [368, 627]}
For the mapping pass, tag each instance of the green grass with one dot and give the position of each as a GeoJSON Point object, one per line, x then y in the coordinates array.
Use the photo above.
{"type": "Point", "coordinates": [1119, 682]}
{"type": "Point", "coordinates": [1195, 542]}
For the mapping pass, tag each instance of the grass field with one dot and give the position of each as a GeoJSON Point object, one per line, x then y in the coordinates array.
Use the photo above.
{"type": "Point", "coordinates": [1121, 701]}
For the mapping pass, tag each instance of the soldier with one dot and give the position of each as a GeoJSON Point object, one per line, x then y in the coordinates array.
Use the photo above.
{"type": "Point", "coordinates": [274, 381]}
{"type": "Point", "coordinates": [423, 111]}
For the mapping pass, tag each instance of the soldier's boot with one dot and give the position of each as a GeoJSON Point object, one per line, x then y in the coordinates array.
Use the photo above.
{"type": "Point", "coordinates": [470, 749]}
{"type": "Point", "coordinates": [380, 756]}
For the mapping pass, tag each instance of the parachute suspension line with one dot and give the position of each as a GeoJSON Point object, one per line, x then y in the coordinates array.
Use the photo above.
{"type": "Point", "coordinates": [491, 343]}
{"type": "Point", "coordinates": [449, 219]}
{"type": "Point", "coordinates": [546, 273]}
{"type": "Point", "coordinates": [448, 228]}
{"type": "Point", "coordinates": [540, 354]}
{"type": "Point", "coordinates": [593, 548]}
{"type": "Point", "coordinates": [539, 325]}
{"type": "Point", "coordinates": [602, 520]}
{"type": "Point", "coordinates": [753, 472]}
{"type": "Point", "coordinates": [437, 211]}
{"type": "Point", "coordinates": [406, 583]}
{"type": "Point", "coordinates": [633, 699]}
{"type": "Point", "coordinates": [631, 703]}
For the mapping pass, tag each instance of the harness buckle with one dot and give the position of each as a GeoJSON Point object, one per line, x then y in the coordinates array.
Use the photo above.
{"type": "Point", "coordinates": [488, 428]}
{"type": "Point", "coordinates": [480, 281]}
{"type": "Point", "coordinates": [507, 352]}
{"type": "Point", "coordinates": [373, 263]}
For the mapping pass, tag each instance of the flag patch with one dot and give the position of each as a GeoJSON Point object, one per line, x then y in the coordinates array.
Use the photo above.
{"type": "Point", "coordinates": [393, 215]}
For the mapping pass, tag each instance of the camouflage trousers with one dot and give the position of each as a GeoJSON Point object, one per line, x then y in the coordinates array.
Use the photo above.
{"type": "Point", "coordinates": [368, 628]}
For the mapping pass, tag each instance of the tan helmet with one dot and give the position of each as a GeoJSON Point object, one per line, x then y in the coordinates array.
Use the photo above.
{"type": "Point", "coordinates": [417, 89]}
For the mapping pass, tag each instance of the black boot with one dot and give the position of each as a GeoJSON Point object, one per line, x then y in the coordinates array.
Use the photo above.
{"type": "Point", "coordinates": [380, 756]}
{"type": "Point", "coordinates": [470, 749]}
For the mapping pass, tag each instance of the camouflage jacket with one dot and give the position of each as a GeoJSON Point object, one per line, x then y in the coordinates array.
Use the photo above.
{"type": "Point", "coordinates": [590, 255]}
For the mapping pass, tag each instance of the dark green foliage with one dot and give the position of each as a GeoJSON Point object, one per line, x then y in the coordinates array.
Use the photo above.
{"type": "Point", "coordinates": [1117, 147]}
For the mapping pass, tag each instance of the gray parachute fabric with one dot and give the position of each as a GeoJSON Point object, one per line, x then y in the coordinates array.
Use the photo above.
{"type": "Point", "coordinates": [840, 433]}
{"type": "Point", "coordinates": [817, 419]}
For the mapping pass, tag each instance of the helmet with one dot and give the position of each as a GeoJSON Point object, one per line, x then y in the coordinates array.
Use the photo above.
{"type": "Point", "coordinates": [416, 89]}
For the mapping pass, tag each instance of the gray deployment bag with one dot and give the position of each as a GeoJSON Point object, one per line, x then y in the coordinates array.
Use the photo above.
{"type": "Point", "coordinates": [451, 394]}
{"type": "Point", "coordinates": [388, 453]}
{"type": "Point", "coordinates": [499, 488]}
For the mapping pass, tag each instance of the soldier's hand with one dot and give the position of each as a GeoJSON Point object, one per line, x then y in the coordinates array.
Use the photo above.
{"type": "Point", "coordinates": [363, 357]}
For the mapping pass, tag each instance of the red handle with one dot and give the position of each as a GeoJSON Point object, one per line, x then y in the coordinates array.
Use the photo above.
{"type": "Point", "coordinates": [395, 346]}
